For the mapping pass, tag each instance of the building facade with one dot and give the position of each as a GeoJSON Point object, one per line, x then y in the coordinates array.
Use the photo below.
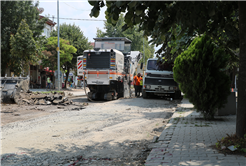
{"type": "Point", "coordinates": [38, 74]}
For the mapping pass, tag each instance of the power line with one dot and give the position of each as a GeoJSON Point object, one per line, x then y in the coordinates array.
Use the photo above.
{"type": "Point", "coordinates": [77, 19]}
{"type": "Point", "coordinates": [75, 8]}
{"type": "Point", "coordinates": [60, 1]}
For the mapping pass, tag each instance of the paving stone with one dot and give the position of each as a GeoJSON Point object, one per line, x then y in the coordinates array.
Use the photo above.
{"type": "Point", "coordinates": [194, 162]}
{"type": "Point", "coordinates": [183, 163]}
{"type": "Point", "coordinates": [189, 142]}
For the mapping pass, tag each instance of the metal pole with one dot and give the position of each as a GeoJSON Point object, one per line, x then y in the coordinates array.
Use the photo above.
{"type": "Point", "coordinates": [58, 48]}
{"type": "Point", "coordinates": [143, 56]}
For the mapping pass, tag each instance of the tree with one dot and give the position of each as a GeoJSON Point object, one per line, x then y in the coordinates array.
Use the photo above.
{"type": "Point", "coordinates": [76, 38]}
{"type": "Point", "coordinates": [198, 72]}
{"type": "Point", "coordinates": [218, 19]}
{"type": "Point", "coordinates": [241, 110]}
{"type": "Point", "coordinates": [23, 46]}
{"type": "Point", "coordinates": [177, 43]}
{"type": "Point", "coordinates": [12, 13]}
{"type": "Point", "coordinates": [66, 51]}
{"type": "Point", "coordinates": [134, 34]}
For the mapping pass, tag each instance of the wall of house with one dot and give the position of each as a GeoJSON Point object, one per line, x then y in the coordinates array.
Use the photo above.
{"type": "Point", "coordinates": [11, 73]}
{"type": "Point", "coordinates": [47, 30]}
{"type": "Point", "coordinates": [35, 74]}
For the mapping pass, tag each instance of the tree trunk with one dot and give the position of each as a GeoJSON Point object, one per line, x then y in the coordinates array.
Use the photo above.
{"type": "Point", "coordinates": [241, 107]}
{"type": "Point", "coordinates": [3, 70]}
{"type": "Point", "coordinates": [67, 74]}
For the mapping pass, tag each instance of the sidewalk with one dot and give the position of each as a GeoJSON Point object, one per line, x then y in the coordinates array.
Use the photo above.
{"type": "Point", "coordinates": [187, 140]}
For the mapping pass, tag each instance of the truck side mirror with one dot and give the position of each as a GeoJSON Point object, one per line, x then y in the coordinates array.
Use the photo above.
{"type": "Point", "coordinates": [141, 66]}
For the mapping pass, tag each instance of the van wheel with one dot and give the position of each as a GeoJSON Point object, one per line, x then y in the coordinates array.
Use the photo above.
{"type": "Point", "coordinates": [177, 95]}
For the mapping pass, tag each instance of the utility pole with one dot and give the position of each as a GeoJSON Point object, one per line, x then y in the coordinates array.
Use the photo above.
{"type": "Point", "coordinates": [143, 57]}
{"type": "Point", "coordinates": [58, 48]}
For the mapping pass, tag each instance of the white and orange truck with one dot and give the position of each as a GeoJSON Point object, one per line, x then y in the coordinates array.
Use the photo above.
{"type": "Point", "coordinates": [108, 68]}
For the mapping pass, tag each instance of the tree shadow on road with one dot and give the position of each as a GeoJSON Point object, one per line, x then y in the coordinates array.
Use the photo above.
{"type": "Point", "coordinates": [104, 153]}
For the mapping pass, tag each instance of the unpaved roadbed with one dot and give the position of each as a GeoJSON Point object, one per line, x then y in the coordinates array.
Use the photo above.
{"type": "Point", "coordinates": [103, 133]}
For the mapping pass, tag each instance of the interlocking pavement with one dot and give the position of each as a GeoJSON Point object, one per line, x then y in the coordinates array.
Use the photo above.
{"type": "Point", "coordinates": [187, 140]}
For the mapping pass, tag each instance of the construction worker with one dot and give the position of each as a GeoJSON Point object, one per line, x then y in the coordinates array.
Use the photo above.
{"type": "Point", "coordinates": [48, 82]}
{"type": "Point", "coordinates": [136, 83]}
{"type": "Point", "coordinates": [141, 84]}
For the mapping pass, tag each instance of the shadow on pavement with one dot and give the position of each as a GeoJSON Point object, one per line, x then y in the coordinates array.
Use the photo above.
{"type": "Point", "coordinates": [125, 152]}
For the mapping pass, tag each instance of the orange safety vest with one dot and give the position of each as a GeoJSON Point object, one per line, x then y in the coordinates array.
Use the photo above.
{"type": "Point", "coordinates": [137, 80]}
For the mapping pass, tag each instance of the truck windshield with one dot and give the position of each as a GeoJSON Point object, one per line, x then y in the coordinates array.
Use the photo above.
{"type": "Point", "coordinates": [118, 45]}
{"type": "Point", "coordinates": [127, 48]}
{"type": "Point", "coordinates": [155, 65]}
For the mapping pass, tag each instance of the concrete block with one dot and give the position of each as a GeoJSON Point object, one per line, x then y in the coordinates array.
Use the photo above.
{"type": "Point", "coordinates": [230, 107]}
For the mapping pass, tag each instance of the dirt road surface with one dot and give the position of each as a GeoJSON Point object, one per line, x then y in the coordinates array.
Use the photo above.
{"type": "Point", "coordinates": [115, 132]}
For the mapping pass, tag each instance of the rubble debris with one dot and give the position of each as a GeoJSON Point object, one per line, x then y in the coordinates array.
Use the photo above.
{"type": "Point", "coordinates": [5, 111]}
{"type": "Point", "coordinates": [57, 96]}
{"type": "Point", "coordinates": [223, 147]}
{"type": "Point", "coordinates": [77, 108]}
{"type": "Point", "coordinates": [85, 104]}
{"type": "Point", "coordinates": [27, 97]}
{"type": "Point", "coordinates": [37, 98]}
{"type": "Point", "coordinates": [27, 101]}
{"type": "Point", "coordinates": [57, 101]}
{"type": "Point", "coordinates": [35, 102]}
{"type": "Point", "coordinates": [39, 109]}
{"type": "Point", "coordinates": [48, 102]}
{"type": "Point", "coordinates": [232, 148]}
{"type": "Point", "coordinates": [66, 102]}
{"type": "Point", "coordinates": [42, 102]}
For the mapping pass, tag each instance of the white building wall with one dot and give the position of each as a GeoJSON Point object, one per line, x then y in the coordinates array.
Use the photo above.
{"type": "Point", "coordinates": [47, 30]}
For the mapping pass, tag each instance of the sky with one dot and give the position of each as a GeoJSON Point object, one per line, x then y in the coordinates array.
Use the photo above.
{"type": "Point", "coordinates": [74, 9]}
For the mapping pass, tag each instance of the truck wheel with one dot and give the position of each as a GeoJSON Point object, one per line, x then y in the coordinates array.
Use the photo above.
{"type": "Point", "coordinates": [109, 96]}
{"type": "Point", "coordinates": [145, 95]}
{"type": "Point", "coordinates": [89, 96]}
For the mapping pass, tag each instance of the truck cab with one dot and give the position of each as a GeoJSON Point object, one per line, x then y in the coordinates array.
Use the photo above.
{"type": "Point", "coordinates": [158, 80]}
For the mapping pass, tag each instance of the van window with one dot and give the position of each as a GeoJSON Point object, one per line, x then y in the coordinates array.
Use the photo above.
{"type": "Point", "coordinates": [159, 65]}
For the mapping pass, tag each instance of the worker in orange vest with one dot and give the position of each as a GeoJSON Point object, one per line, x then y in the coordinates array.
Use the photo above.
{"type": "Point", "coordinates": [136, 83]}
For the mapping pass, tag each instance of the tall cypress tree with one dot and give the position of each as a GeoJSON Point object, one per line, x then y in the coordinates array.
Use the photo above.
{"type": "Point", "coordinates": [199, 72]}
{"type": "Point", "coordinates": [23, 46]}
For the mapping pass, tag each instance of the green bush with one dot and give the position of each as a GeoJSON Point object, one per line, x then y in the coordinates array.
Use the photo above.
{"type": "Point", "coordinates": [199, 72]}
